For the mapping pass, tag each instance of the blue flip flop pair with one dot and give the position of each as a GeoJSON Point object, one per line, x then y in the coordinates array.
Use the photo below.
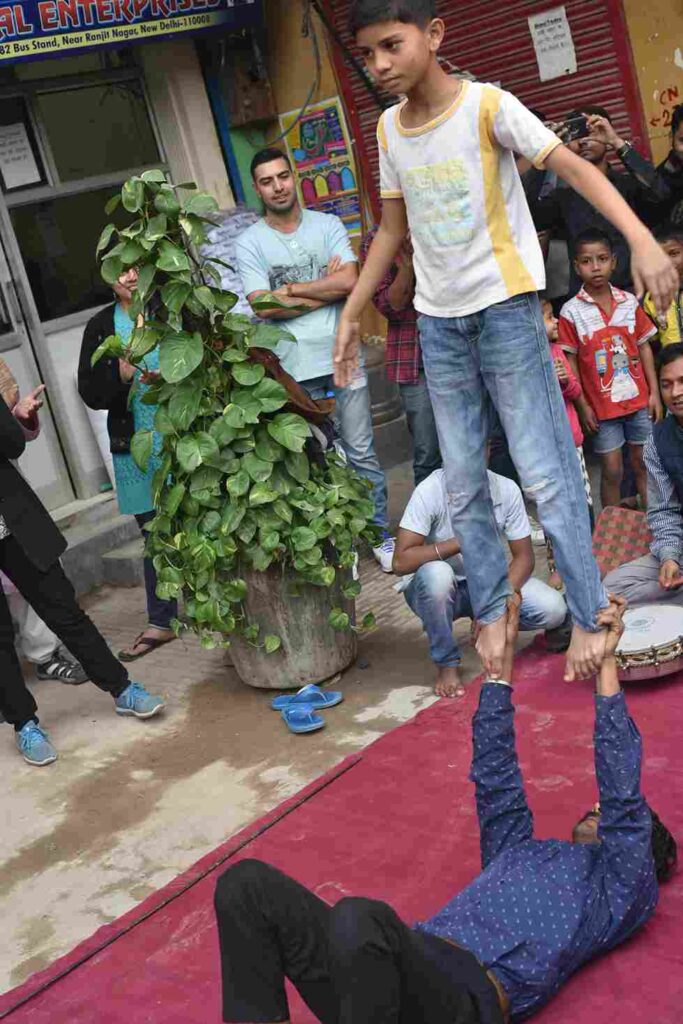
{"type": "Point", "coordinates": [298, 712]}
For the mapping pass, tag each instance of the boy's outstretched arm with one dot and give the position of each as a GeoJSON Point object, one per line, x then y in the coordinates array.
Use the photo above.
{"type": "Point", "coordinates": [652, 269]}
{"type": "Point", "coordinates": [391, 232]}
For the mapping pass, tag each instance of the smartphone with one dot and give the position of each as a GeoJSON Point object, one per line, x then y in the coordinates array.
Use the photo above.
{"type": "Point", "coordinates": [576, 128]}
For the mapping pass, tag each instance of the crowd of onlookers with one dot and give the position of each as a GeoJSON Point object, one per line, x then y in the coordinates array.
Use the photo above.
{"type": "Point", "coordinates": [603, 342]}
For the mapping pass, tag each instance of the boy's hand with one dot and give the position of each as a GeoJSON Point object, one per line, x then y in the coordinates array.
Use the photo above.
{"type": "Point", "coordinates": [589, 421]}
{"type": "Point", "coordinates": [654, 272]}
{"type": "Point", "coordinates": [561, 371]}
{"type": "Point", "coordinates": [612, 618]}
{"type": "Point", "coordinates": [655, 408]}
{"type": "Point", "coordinates": [126, 370]}
{"type": "Point", "coordinates": [670, 577]}
{"type": "Point", "coordinates": [345, 353]}
{"type": "Point", "coordinates": [334, 265]}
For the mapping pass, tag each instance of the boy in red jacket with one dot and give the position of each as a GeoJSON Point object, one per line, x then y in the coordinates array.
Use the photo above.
{"type": "Point", "coordinates": [605, 334]}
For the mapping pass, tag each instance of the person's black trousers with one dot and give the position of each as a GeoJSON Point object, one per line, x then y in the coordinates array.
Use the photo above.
{"type": "Point", "coordinates": [354, 963]}
{"type": "Point", "coordinates": [159, 612]}
{"type": "Point", "coordinates": [52, 597]}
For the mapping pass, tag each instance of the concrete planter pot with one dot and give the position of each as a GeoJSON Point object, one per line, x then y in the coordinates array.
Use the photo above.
{"type": "Point", "coordinates": [311, 650]}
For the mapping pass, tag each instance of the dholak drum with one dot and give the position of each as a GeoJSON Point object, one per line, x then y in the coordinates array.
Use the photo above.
{"type": "Point", "coordinates": [652, 642]}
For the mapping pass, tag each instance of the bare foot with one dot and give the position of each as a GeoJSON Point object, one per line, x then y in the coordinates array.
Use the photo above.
{"type": "Point", "coordinates": [490, 645]}
{"type": "Point", "coordinates": [585, 654]}
{"type": "Point", "coordinates": [555, 581]}
{"type": "Point", "coordinates": [448, 682]}
{"type": "Point", "coordinates": [151, 633]}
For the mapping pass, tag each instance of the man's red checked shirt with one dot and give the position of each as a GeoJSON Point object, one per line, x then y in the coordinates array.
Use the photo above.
{"type": "Point", "coordinates": [402, 353]}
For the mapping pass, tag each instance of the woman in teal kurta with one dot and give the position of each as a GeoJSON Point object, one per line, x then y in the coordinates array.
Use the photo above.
{"type": "Point", "coordinates": [133, 485]}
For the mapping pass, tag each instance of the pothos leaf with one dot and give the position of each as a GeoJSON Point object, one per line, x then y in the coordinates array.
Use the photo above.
{"type": "Point", "coordinates": [339, 619]}
{"type": "Point", "coordinates": [111, 346]}
{"type": "Point", "coordinates": [290, 430]}
{"type": "Point", "coordinates": [272, 643]}
{"type": "Point", "coordinates": [141, 446]}
{"type": "Point", "coordinates": [180, 354]}
{"type": "Point", "coordinates": [248, 373]}
{"type": "Point", "coordinates": [105, 238]}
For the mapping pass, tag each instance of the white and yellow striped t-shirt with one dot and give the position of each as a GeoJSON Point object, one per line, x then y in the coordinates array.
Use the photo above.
{"type": "Point", "coordinates": [473, 237]}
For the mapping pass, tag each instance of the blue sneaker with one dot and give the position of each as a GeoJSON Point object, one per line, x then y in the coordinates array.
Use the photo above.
{"type": "Point", "coordinates": [136, 701]}
{"type": "Point", "coordinates": [34, 745]}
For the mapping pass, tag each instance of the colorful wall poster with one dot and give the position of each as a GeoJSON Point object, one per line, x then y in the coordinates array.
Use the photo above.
{"type": "Point", "coordinates": [319, 147]}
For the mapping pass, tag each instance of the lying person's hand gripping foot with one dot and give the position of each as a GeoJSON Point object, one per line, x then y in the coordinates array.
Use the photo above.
{"type": "Point", "coordinates": [490, 646]}
{"type": "Point", "coordinates": [585, 654]}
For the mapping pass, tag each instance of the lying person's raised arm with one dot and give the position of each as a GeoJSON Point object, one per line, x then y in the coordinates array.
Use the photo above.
{"type": "Point", "coordinates": [504, 816]}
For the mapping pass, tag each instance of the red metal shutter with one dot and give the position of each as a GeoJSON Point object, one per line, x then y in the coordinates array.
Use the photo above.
{"type": "Point", "coordinates": [491, 39]}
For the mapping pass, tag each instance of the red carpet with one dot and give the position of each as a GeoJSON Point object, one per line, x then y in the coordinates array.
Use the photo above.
{"type": "Point", "coordinates": [398, 824]}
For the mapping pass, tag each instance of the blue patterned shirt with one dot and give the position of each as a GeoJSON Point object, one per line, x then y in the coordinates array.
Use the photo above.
{"type": "Point", "coordinates": [664, 514]}
{"type": "Point", "coordinates": [541, 909]}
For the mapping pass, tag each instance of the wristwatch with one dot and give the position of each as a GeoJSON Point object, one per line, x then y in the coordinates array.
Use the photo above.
{"type": "Point", "coordinates": [624, 150]}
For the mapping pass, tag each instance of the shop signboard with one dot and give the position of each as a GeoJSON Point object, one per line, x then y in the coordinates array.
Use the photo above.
{"type": "Point", "coordinates": [32, 29]}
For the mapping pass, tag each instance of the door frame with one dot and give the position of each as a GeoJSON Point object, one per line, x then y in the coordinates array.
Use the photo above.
{"type": "Point", "coordinates": [27, 313]}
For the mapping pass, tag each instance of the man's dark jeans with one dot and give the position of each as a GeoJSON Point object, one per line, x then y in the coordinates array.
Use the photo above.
{"type": "Point", "coordinates": [422, 427]}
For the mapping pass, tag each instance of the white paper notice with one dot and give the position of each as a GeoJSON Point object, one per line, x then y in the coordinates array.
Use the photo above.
{"type": "Point", "coordinates": [17, 163]}
{"type": "Point", "coordinates": [553, 44]}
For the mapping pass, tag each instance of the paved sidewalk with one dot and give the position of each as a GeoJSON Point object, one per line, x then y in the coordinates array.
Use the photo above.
{"type": "Point", "coordinates": [130, 804]}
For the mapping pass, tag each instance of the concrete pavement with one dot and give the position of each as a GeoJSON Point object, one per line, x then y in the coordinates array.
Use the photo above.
{"type": "Point", "coordinates": [131, 804]}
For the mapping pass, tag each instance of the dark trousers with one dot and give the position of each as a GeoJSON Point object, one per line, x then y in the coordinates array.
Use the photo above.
{"type": "Point", "coordinates": [422, 428]}
{"type": "Point", "coordinates": [52, 597]}
{"type": "Point", "coordinates": [160, 613]}
{"type": "Point", "coordinates": [354, 963]}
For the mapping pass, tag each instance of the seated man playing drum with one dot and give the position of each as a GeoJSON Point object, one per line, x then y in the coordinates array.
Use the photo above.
{"type": "Point", "coordinates": [658, 576]}
{"type": "Point", "coordinates": [500, 948]}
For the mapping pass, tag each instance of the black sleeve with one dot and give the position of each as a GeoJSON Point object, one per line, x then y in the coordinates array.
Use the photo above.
{"type": "Point", "coordinates": [546, 212]}
{"type": "Point", "coordinates": [532, 183]}
{"type": "Point", "coordinates": [12, 437]}
{"type": "Point", "coordinates": [99, 386]}
{"type": "Point", "coordinates": [652, 185]}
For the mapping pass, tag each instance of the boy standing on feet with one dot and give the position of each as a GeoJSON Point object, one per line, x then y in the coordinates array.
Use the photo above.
{"type": "Point", "coordinates": [447, 163]}
{"type": "Point", "coordinates": [606, 336]}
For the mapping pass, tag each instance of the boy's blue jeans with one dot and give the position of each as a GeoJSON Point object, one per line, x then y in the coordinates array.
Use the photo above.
{"type": "Point", "coordinates": [353, 420]}
{"type": "Point", "coordinates": [503, 352]}
{"type": "Point", "coordinates": [440, 599]}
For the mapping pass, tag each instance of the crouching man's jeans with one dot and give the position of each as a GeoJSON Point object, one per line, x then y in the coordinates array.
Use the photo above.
{"type": "Point", "coordinates": [501, 354]}
{"type": "Point", "coordinates": [438, 598]}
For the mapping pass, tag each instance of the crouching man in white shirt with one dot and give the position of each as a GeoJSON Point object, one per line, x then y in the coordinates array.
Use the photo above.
{"type": "Point", "coordinates": [428, 558]}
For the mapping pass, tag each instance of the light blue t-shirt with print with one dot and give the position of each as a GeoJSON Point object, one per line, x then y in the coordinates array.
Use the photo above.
{"type": "Point", "coordinates": [267, 259]}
